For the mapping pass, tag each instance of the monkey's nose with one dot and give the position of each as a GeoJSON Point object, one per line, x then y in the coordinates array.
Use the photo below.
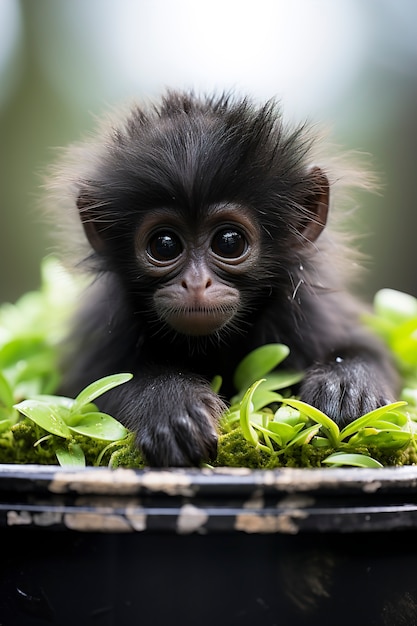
{"type": "Point", "coordinates": [196, 285]}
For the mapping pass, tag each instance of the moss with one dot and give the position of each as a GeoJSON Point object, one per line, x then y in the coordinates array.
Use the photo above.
{"type": "Point", "coordinates": [28, 443]}
{"type": "Point", "coordinates": [8, 450]}
{"type": "Point", "coordinates": [123, 453]}
{"type": "Point", "coordinates": [235, 451]}
{"type": "Point", "coordinates": [127, 456]}
{"type": "Point", "coordinates": [305, 456]}
{"type": "Point", "coordinates": [25, 434]}
{"type": "Point", "coordinates": [402, 456]}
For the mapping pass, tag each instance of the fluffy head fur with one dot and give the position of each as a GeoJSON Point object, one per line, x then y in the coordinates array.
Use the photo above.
{"type": "Point", "coordinates": [221, 148]}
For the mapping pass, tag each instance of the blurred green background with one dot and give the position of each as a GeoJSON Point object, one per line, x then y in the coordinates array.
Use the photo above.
{"type": "Point", "coordinates": [351, 64]}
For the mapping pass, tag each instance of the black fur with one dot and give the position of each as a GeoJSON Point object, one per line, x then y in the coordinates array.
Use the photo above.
{"type": "Point", "coordinates": [190, 153]}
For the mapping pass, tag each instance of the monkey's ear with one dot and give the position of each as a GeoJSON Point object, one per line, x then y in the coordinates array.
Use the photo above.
{"type": "Point", "coordinates": [317, 205]}
{"type": "Point", "coordinates": [89, 221]}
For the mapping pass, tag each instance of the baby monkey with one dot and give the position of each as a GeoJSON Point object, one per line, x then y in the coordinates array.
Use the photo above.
{"type": "Point", "coordinates": [205, 219]}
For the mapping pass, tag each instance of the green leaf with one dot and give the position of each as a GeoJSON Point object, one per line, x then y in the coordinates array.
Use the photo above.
{"type": "Point", "coordinates": [99, 426]}
{"type": "Point", "coordinates": [386, 425]}
{"type": "Point", "coordinates": [230, 417]}
{"type": "Point", "coordinates": [289, 415]}
{"type": "Point", "coordinates": [99, 387]}
{"type": "Point", "coordinates": [356, 460]}
{"type": "Point", "coordinates": [305, 436]}
{"type": "Point", "coordinates": [395, 305]}
{"type": "Point", "coordinates": [72, 456]}
{"type": "Point", "coordinates": [258, 363]}
{"type": "Point", "coordinates": [409, 395]}
{"type": "Point", "coordinates": [6, 393]}
{"type": "Point", "coordinates": [245, 413]}
{"type": "Point", "coordinates": [382, 439]}
{"type": "Point", "coordinates": [272, 382]}
{"type": "Point", "coordinates": [216, 383]}
{"type": "Point", "coordinates": [318, 416]}
{"type": "Point", "coordinates": [61, 401]}
{"type": "Point", "coordinates": [269, 434]}
{"type": "Point", "coordinates": [281, 380]}
{"type": "Point", "coordinates": [40, 364]}
{"type": "Point", "coordinates": [262, 398]}
{"type": "Point", "coordinates": [47, 416]}
{"type": "Point", "coordinates": [403, 342]}
{"type": "Point", "coordinates": [367, 419]}
{"type": "Point", "coordinates": [5, 425]}
{"type": "Point", "coordinates": [380, 325]}
{"type": "Point", "coordinates": [20, 349]}
{"type": "Point", "coordinates": [286, 432]}
{"type": "Point", "coordinates": [320, 442]}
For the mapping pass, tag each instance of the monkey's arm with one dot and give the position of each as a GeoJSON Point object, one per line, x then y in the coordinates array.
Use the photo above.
{"type": "Point", "coordinates": [346, 387]}
{"type": "Point", "coordinates": [173, 415]}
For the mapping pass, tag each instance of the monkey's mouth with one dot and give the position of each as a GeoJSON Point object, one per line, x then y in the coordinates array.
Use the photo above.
{"type": "Point", "coordinates": [199, 321]}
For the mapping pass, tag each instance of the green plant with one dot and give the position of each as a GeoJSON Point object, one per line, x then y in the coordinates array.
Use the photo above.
{"type": "Point", "coordinates": [394, 318]}
{"type": "Point", "coordinates": [36, 426]}
{"type": "Point", "coordinates": [295, 424]}
{"type": "Point", "coordinates": [294, 432]}
{"type": "Point", "coordinates": [65, 417]}
{"type": "Point", "coordinates": [265, 426]}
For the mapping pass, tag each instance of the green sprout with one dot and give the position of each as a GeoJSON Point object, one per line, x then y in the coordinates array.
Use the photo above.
{"type": "Point", "coordinates": [395, 320]}
{"type": "Point", "coordinates": [294, 424]}
{"type": "Point", "coordinates": [36, 426]}
{"type": "Point", "coordinates": [64, 417]}
{"type": "Point", "coordinates": [281, 429]}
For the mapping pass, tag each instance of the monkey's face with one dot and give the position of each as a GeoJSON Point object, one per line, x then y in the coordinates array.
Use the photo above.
{"type": "Point", "coordinates": [181, 202]}
{"type": "Point", "coordinates": [196, 264]}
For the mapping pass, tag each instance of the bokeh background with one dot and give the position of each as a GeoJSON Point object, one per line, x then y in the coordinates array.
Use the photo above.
{"type": "Point", "coordinates": [350, 64]}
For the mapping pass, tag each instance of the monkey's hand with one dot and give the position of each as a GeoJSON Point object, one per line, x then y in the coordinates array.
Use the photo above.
{"type": "Point", "coordinates": [346, 388]}
{"type": "Point", "coordinates": [175, 419]}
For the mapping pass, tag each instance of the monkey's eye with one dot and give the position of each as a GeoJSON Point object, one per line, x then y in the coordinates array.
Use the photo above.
{"type": "Point", "coordinates": [229, 243]}
{"type": "Point", "coordinates": [164, 246]}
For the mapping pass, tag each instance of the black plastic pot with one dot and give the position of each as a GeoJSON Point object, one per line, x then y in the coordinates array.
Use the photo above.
{"type": "Point", "coordinates": [189, 547]}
